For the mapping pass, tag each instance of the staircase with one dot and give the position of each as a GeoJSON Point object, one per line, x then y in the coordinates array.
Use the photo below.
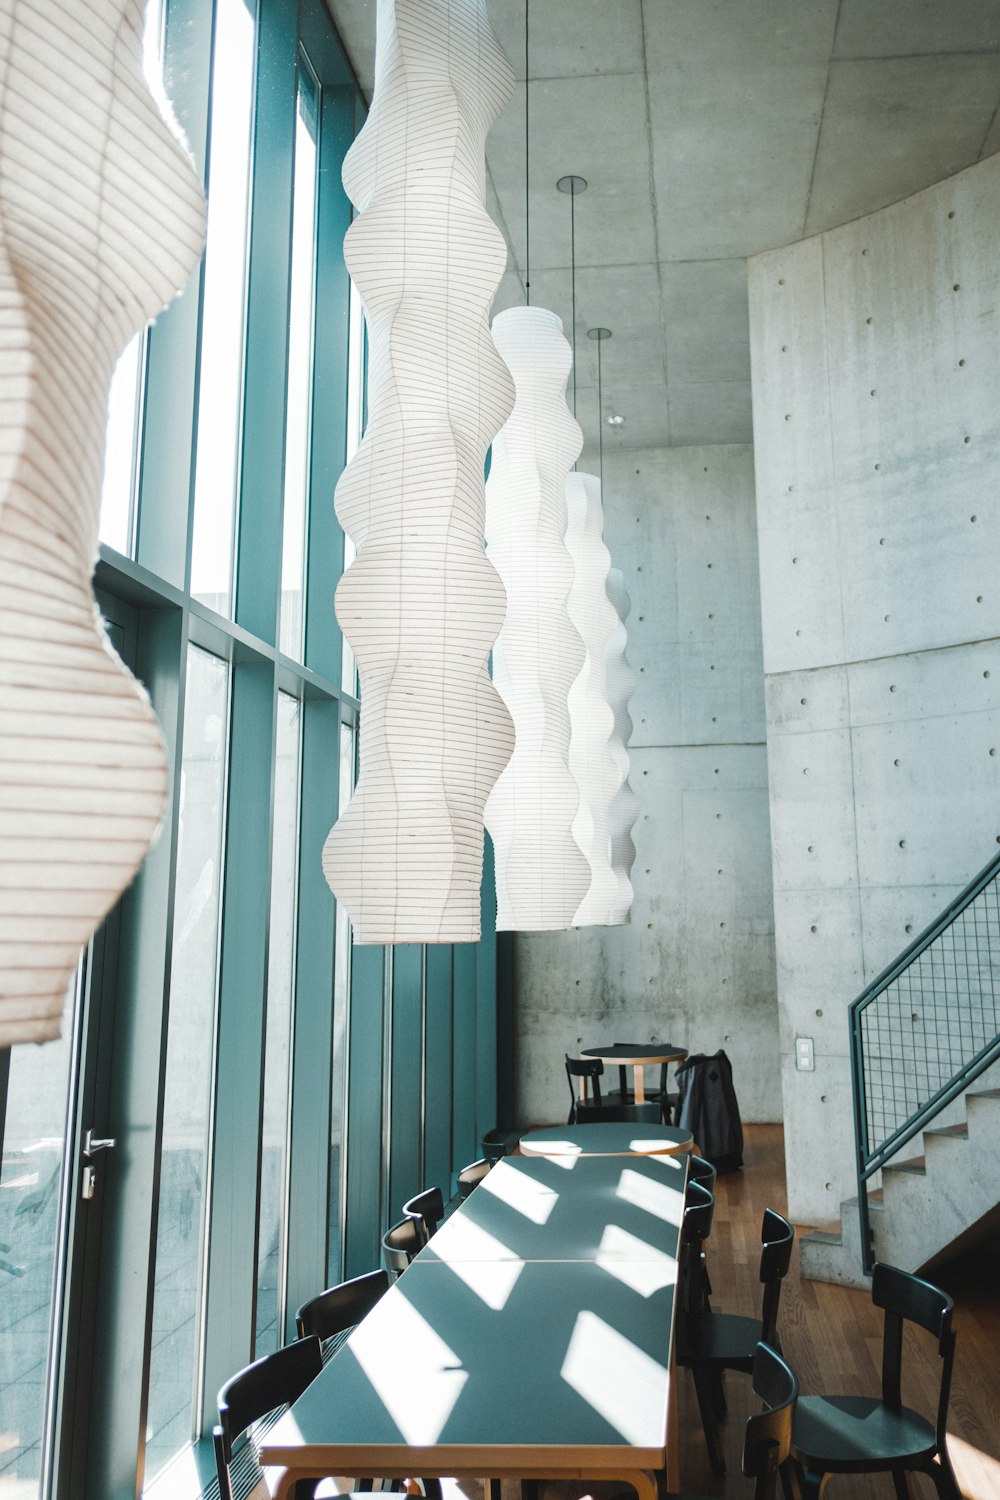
{"type": "Point", "coordinates": [925, 1062]}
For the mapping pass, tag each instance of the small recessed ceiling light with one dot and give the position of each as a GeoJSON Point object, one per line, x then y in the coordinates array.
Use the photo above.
{"type": "Point", "coordinates": [616, 421]}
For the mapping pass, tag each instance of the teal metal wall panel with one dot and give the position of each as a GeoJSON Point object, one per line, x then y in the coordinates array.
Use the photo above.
{"type": "Point", "coordinates": [465, 1142]}
{"type": "Point", "coordinates": [437, 1067]}
{"type": "Point", "coordinates": [363, 1215]}
{"type": "Point", "coordinates": [120, 1357]}
{"type": "Point", "coordinates": [313, 1038]}
{"type": "Point", "coordinates": [486, 1004]}
{"type": "Point", "coordinates": [232, 1243]}
{"type": "Point", "coordinates": [329, 429]}
{"type": "Point", "coordinates": [258, 558]}
{"type": "Point", "coordinates": [405, 1112]}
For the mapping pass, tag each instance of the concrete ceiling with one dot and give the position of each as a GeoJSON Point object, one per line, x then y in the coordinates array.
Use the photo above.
{"type": "Point", "coordinates": [709, 130]}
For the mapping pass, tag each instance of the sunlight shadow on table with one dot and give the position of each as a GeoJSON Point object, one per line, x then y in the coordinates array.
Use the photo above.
{"type": "Point", "coordinates": [614, 1377]}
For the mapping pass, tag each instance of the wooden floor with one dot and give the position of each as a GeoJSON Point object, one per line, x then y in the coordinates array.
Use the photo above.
{"type": "Point", "coordinates": [832, 1338]}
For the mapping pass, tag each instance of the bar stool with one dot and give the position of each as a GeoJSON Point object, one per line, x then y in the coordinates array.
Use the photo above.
{"type": "Point", "coordinates": [426, 1210]}
{"type": "Point", "coordinates": [471, 1176]}
{"type": "Point", "coordinates": [399, 1245]}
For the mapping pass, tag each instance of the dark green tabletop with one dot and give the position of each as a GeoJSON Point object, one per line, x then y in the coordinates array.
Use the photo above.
{"type": "Point", "coordinates": [540, 1208]}
{"type": "Point", "coordinates": [541, 1359]}
{"type": "Point", "coordinates": [598, 1138]}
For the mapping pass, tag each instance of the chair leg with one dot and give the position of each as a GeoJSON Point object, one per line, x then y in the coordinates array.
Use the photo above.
{"type": "Point", "coordinates": [432, 1488]}
{"type": "Point", "coordinates": [494, 1489]}
{"type": "Point", "coordinates": [943, 1476]}
{"type": "Point", "coordinates": [705, 1391]}
{"type": "Point", "coordinates": [904, 1484]}
{"type": "Point", "coordinates": [812, 1483]}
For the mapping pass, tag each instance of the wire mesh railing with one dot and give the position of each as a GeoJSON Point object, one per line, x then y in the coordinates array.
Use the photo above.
{"type": "Point", "coordinates": [924, 1029]}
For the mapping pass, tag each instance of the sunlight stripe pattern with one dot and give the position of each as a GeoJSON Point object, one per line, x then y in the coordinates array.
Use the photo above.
{"type": "Point", "coordinates": [421, 605]}
{"type": "Point", "coordinates": [592, 721]}
{"type": "Point", "coordinates": [621, 680]}
{"type": "Point", "coordinates": [541, 873]}
{"type": "Point", "coordinates": [102, 221]}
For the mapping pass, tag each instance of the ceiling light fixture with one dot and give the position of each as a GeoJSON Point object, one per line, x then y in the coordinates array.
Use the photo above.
{"type": "Point", "coordinates": [422, 604]}
{"type": "Point", "coordinates": [541, 873]}
{"type": "Point", "coordinates": [102, 223]}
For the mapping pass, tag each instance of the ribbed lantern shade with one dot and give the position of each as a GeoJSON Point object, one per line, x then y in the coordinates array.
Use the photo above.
{"type": "Point", "coordinates": [101, 221]}
{"type": "Point", "coordinates": [542, 875]}
{"type": "Point", "coordinates": [421, 605]}
{"type": "Point", "coordinates": [621, 682]}
{"type": "Point", "coordinates": [592, 721]}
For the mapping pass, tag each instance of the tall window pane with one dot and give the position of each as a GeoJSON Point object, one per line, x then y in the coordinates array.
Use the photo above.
{"type": "Point", "coordinates": [187, 1104]}
{"type": "Point", "coordinates": [278, 1029]}
{"type": "Point", "coordinates": [356, 356]}
{"type": "Point", "coordinates": [30, 1194]}
{"type": "Point", "coordinates": [118, 492]}
{"type": "Point", "coordinates": [117, 523]}
{"type": "Point", "coordinates": [300, 365]}
{"type": "Point", "coordinates": [220, 384]}
{"type": "Point", "coordinates": [341, 994]}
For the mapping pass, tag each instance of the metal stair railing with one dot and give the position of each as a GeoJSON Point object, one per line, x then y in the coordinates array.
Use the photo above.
{"type": "Point", "coordinates": [924, 1030]}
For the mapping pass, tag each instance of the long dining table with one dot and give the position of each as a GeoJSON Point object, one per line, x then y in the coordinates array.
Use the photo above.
{"type": "Point", "coordinates": [531, 1338]}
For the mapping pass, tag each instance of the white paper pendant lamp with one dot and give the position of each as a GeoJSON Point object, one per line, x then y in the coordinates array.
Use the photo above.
{"type": "Point", "coordinates": [621, 682]}
{"type": "Point", "coordinates": [421, 605]}
{"type": "Point", "coordinates": [542, 875]}
{"type": "Point", "coordinates": [102, 221]}
{"type": "Point", "coordinates": [591, 760]}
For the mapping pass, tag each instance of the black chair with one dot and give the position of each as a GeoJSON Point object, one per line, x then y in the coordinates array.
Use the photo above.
{"type": "Point", "coordinates": [768, 1438]}
{"type": "Point", "coordinates": [276, 1380]}
{"type": "Point", "coordinates": [704, 1175]}
{"type": "Point", "coordinates": [868, 1435]}
{"type": "Point", "coordinates": [400, 1244]}
{"type": "Point", "coordinates": [696, 1228]}
{"type": "Point", "coordinates": [591, 1106]}
{"type": "Point", "coordinates": [709, 1343]}
{"type": "Point", "coordinates": [768, 1435]}
{"type": "Point", "coordinates": [471, 1176]}
{"type": "Point", "coordinates": [341, 1307]}
{"type": "Point", "coordinates": [426, 1210]}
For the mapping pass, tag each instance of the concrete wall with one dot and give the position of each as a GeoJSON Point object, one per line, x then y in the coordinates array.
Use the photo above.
{"type": "Point", "coordinates": [696, 965]}
{"type": "Point", "coordinates": [876, 383]}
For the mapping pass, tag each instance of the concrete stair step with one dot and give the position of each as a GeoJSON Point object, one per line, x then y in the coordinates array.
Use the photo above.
{"type": "Point", "coordinates": [958, 1132]}
{"type": "Point", "coordinates": [917, 1165]}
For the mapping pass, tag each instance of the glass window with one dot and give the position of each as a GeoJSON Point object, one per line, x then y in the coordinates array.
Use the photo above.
{"type": "Point", "coordinates": [356, 366]}
{"type": "Point", "coordinates": [220, 381]}
{"type": "Point", "coordinates": [117, 523]}
{"type": "Point", "coordinates": [118, 492]}
{"type": "Point", "coordinates": [298, 409]}
{"type": "Point", "coordinates": [341, 993]}
{"type": "Point", "coordinates": [30, 1194]}
{"type": "Point", "coordinates": [187, 1104]}
{"type": "Point", "coordinates": [278, 1030]}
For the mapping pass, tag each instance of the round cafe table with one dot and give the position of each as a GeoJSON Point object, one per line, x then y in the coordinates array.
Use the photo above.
{"type": "Point", "coordinates": [607, 1139]}
{"type": "Point", "coordinates": [623, 1055]}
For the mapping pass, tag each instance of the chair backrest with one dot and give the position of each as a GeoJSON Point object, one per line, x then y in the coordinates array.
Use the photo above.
{"type": "Point", "coordinates": [340, 1307]}
{"type": "Point", "coordinates": [768, 1437]}
{"type": "Point", "coordinates": [426, 1210]}
{"type": "Point", "coordinates": [588, 1068]}
{"type": "Point", "coordinates": [702, 1172]}
{"type": "Point", "coordinates": [777, 1238]}
{"type": "Point", "coordinates": [696, 1227]}
{"type": "Point", "coordinates": [400, 1244]}
{"type": "Point", "coordinates": [903, 1296]}
{"type": "Point", "coordinates": [471, 1176]}
{"type": "Point", "coordinates": [276, 1380]}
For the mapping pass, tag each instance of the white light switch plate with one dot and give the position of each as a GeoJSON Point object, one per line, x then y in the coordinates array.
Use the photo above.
{"type": "Point", "coordinates": [804, 1060]}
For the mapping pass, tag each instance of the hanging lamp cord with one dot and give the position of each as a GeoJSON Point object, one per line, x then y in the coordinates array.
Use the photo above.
{"type": "Point", "coordinates": [572, 281]}
{"type": "Point", "coordinates": [600, 417]}
{"type": "Point", "coordinates": [527, 195]}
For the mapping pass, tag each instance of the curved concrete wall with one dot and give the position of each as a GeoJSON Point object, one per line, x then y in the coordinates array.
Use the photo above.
{"type": "Point", "coordinates": [876, 390]}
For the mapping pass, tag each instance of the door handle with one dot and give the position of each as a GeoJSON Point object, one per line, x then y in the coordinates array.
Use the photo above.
{"type": "Point", "coordinates": [92, 1144]}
